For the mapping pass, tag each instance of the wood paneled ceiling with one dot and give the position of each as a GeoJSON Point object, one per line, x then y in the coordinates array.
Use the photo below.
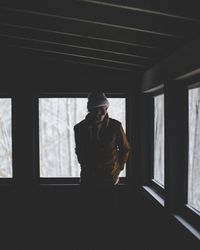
{"type": "Point", "coordinates": [123, 35]}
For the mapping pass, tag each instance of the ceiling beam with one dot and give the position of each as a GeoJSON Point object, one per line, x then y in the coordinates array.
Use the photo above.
{"type": "Point", "coordinates": [21, 29]}
{"type": "Point", "coordinates": [130, 6]}
{"type": "Point", "coordinates": [73, 56]}
{"type": "Point", "coordinates": [87, 21]}
{"type": "Point", "coordinates": [88, 28]}
{"type": "Point", "coordinates": [79, 50]}
{"type": "Point", "coordinates": [54, 55]}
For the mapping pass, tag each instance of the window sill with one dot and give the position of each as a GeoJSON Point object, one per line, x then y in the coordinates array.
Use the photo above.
{"type": "Point", "coordinates": [155, 195]}
{"type": "Point", "coordinates": [188, 226]}
{"type": "Point", "coordinates": [74, 184]}
{"type": "Point", "coordinates": [68, 181]}
{"type": "Point", "coordinates": [58, 184]}
{"type": "Point", "coordinates": [7, 182]}
{"type": "Point", "coordinates": [7, 185]}
{"type": "Point", "coordinates": [183, 222]}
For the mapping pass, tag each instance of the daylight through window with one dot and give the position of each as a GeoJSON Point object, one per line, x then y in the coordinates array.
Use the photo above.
{"type": "Point", "coordinates": [57, 117]}
{"type": "Point", "coordinates": [5, 138]}
{"type": "Point", "coordinates": [158, 173]}
{"type": "Point", "coordinates": [194, 149]}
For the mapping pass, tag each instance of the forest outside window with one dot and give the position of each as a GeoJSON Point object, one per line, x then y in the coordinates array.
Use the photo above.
{"type": "Point", "coordinates": [5, 138]}
{"type": "Point", "coordinates": [193, 199]}
{"type": "Point", "coordinates": [57, 117]}
{"type": "Point", "coordinates": [158, 164]}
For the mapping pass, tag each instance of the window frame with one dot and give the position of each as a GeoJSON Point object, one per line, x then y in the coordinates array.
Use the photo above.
{"type": "Point", "coordinates": [148, 182]}
{"type": "Point", "coordinates": [186, 211]}
{"type": "Point", "coordinates": [75, 180]}
{"type": "Point", "coordinates": [174, 198]}
{"type": "Point", "coordinates": [156, 185]}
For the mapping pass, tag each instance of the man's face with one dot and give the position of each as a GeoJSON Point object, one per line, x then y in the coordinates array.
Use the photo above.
{"type": "Point", "coordinates": [98, 114]}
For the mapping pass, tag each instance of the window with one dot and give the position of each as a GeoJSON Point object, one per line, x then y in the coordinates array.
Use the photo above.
{"type": "Point", "coordinates": [194, 149]}
{"type": "Point", "coordinates": [158, 169]}
{"type": "Point", "coordinates": [57, 117]}
{"type": "Point", "coordinates": [153, 165]}
{"type": "Point", "coordinates": [171, 143]}
{"type": "Point", "coordinates": [5, 138]}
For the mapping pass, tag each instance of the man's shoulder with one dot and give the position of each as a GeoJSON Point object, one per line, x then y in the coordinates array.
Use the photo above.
{"type": "Point", "coordinates": [114, 122]}
{"type": "Point", "coordinates": [79, 125]}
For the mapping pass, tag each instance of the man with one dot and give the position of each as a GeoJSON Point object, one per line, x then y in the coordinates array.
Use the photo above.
{"type": "Point", "coordinates": [102, 147]}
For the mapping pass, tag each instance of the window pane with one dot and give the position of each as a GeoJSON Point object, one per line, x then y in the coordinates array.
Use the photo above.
{"type": "Point", "coordinates": [57, 117]}
{"type": "Point", "coordinates": [159, 139]}
{"type": "Point", "coordinates": [5, 138]}
{"type": "Point", "coordinates": [194, 149]}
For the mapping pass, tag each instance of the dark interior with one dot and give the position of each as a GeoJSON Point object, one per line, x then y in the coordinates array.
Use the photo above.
{"type": "Point", "coordinates": [136, 48]}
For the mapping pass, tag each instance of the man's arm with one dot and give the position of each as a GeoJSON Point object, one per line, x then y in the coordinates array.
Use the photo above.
{"type": "Point", "coordinates": [123, 147]}
{"type": "Point", "coordinates": [78, 145]}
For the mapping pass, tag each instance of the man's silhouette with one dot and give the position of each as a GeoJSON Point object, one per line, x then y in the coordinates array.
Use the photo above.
{"type": "Point", "coordinates": [102, 147]}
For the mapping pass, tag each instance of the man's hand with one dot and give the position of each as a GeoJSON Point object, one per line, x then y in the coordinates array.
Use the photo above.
{"type": "Point", "coordinates": [121, 166]}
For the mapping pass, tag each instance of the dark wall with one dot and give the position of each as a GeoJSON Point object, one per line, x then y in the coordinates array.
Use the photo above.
{"type": "Point", "coordinates": [23, 72]}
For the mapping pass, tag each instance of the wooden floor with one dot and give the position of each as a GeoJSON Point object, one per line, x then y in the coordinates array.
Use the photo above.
{"type": "Point", "coordinates": [81, 224]}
